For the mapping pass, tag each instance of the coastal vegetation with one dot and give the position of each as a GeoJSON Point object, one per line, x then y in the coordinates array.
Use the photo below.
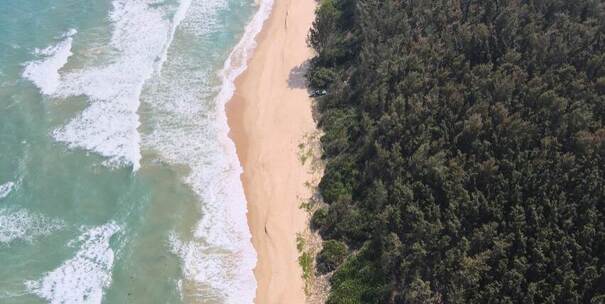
{"type": "Point", "coordinates": [331, 255]}
{"type": "Point", "coordinates": [464, 149]}
{"type": "Point", "coordinates": [305, 259]}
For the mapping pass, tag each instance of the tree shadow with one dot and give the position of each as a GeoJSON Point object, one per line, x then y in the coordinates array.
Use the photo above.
{"type": "Point", "coordinates": [297, 78]}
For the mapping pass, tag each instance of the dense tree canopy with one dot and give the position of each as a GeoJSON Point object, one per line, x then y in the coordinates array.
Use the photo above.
{"type": "Point", "coordinates": [465, 149]}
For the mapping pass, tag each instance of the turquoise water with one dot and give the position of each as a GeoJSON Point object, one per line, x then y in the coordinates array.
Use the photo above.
{"type": "Point", "coordinates": [118, 183]}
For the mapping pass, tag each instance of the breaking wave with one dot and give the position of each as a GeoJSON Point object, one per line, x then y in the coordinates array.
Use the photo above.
{"type": "Point", "coordinates": [140, 37]}
{"type": "Point", "coordinates": [83, 278]}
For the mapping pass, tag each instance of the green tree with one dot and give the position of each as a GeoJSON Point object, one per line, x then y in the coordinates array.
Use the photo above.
{"type": "Point", "coordinates": [465, 149]}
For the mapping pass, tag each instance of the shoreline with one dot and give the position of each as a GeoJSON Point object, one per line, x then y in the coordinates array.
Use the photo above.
{"type": "Point", "coordinates": [269, 115]}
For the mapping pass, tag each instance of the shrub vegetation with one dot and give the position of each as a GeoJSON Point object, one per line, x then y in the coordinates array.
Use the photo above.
{"type": "Point", "coordinates": [331, 256]}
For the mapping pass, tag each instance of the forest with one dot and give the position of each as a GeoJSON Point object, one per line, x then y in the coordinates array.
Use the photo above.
{"type": "Point", "coordinates": [464, 144]}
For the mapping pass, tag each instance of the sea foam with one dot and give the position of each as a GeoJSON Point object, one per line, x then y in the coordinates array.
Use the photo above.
{"type": "Point", "coordinates": [44, 72]}
{"type": "Point", "coordinates": [219, 259]}
{"type": "Point", "coordinates": [83, 278]}
{"type": "Point", "coordinates": [6, 188]}
{"type": "Point", "coordinates": [108, 126]}
{"type": "Point", "coordinates": [21, 224]}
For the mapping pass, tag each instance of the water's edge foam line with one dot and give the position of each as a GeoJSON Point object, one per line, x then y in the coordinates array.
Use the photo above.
{"type": "Point", "coordinates": [218, 259]}
{"type": "Point", "coordinates": [233, 67]}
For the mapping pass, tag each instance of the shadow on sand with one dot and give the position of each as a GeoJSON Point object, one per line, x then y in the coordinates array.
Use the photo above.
{"type": "Point", "coordinates": [297, 79]}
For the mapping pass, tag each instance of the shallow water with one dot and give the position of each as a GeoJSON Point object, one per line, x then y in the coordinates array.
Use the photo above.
{"type": "Point", "coordinates": [118, 183]}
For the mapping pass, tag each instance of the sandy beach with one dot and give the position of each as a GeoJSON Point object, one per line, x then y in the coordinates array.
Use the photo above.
{"type": "Point", "coordinates": [269, 116]}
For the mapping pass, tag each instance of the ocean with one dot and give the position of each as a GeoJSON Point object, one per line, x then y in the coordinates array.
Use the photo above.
{"type": "Point", "coordinates": [118, 182]}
